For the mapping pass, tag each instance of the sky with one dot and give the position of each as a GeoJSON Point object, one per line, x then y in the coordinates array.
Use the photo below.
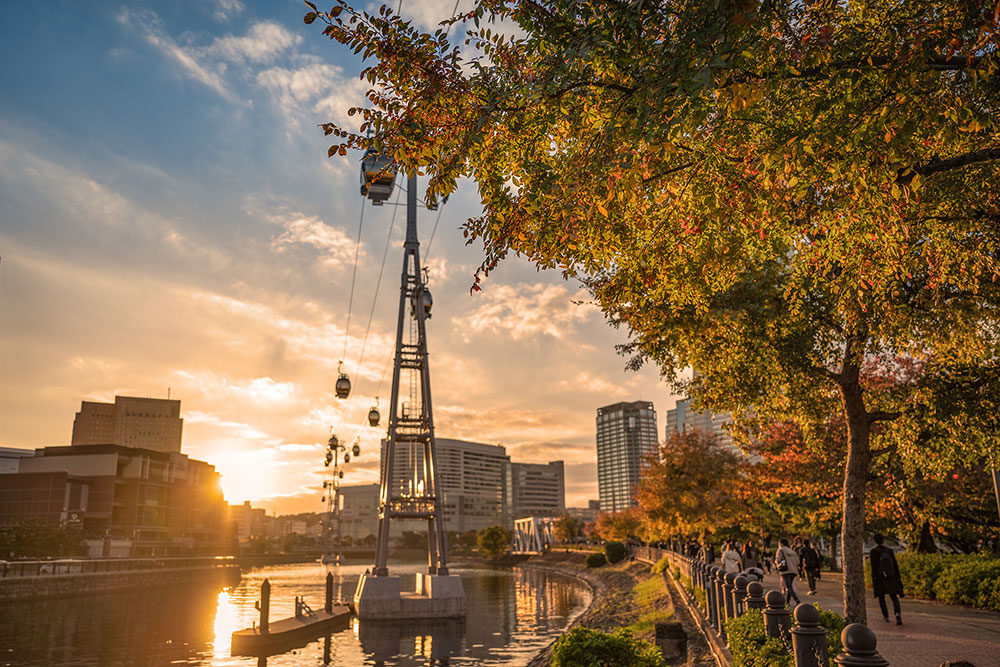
{"type": "Point", "coordinates": [170, 221]}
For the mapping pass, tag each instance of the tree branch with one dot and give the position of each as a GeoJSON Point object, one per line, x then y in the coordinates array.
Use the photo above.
{"type": "Point", "coordinates": [936, 166]}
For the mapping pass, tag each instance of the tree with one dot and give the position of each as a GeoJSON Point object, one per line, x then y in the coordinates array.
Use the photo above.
{"type": "Point", "coordinates": [494, 541]}
{"type": "Point", "coordinates": [617, 525]}
{"type": "Point", "coordinates": [772, 193]}
{"type": "Point", "coordinates": [690, 486]}
{"type": "Point", "coordinates": [566, 528]}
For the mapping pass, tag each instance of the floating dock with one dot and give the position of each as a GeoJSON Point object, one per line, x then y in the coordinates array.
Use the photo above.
{"type": "Point", "coordinates": [289, 632]}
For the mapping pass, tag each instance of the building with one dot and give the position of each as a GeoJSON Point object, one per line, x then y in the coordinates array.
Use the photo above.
{"type": "Point", "coordinates": [473, 483]}
{"type": "Point", "coordinates": [586, 514]}
{"type": "Point", "coordinates": [359, 511]}
{"type": "Point", "coordinates": [248, 522]}
{"type": "Point", "coordinates": [626, 435]}
{"type": "Point", "coordinates": [9, 458]}
{"type": "Point", "coordinates": [143, 423]}
{"type": "Point", "coordinates": [684, 419]}
{"type": "Point", "coordinates": [537, 489]}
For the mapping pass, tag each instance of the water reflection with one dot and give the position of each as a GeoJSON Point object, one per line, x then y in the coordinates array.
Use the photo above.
{"type": "Point", "coordinates": [511, 615]}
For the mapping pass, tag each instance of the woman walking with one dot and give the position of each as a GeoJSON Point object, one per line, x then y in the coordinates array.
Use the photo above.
{"type": "Point", "coordinates": [749, 556]}
{"type": "Point", "coordinates": [731, 560]}
{"type": "Point", "coordinates": [786, 562]}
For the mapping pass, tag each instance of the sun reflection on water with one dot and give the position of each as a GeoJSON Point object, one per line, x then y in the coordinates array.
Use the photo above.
{"type": "Point", "coordinates": [226, 619]}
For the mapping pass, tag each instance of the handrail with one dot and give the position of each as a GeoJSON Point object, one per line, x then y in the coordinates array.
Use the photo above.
{"type": "Point", "coordinates": [67, 566]}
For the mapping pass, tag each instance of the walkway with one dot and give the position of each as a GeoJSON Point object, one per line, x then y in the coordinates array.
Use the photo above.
{"type": "Point", "coordinates": [931, 634]}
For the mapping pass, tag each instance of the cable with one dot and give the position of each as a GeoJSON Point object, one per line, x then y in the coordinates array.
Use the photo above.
{"type": "Point", "coordinates": [378, 283]}
{"type": "Point", "coordinates": [427, 255]}
{"type": "Point", "coordinates": [354, 275]}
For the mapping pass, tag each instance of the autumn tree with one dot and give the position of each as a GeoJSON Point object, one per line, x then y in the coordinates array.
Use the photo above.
{"type": "Point", "coordinates": [617, 525]}
{"type": "Point", "coordinates": [566, 528]}
{"type": "Point", "coordinates": [771, 192]}
{"type": "Point", "coordinates": [493, 541]}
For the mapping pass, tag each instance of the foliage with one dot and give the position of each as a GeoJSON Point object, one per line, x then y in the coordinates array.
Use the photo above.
{"type": "Point", "coordinates": [583, 647]}
{"type": "Point", "coordinates": [660, 566]}
{"type": "Point", "coordinates": [690, 486]}
{"type": "Point", "coordinates": [566, 528]}
{"type": "Point", "coordinates": [41, 540]}
{"type": "Point", "coordinates": [966, 579]}
{"type": "Point", "coordinates": [615, 551]}
{"type": "Point", "coordinates": [617, 525]}
{"type": "Point", "coordinates": [962, 582]}
{"type": "Point", "coordinates": [414, 539]}
{"type": "Point", "coordinates": [751, 647]}
{"type": "Point", "coordinates": [494, 541]}
{"type": "Point", "coordinates": [595, 560]}
{"type": "Point", "coordinates": [772, 193]}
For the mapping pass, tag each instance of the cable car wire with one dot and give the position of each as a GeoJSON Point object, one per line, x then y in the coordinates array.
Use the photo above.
{"type": "Point", "coordinates": [378, 283]}
{"type": "Point", "coordinates": [354, 276]}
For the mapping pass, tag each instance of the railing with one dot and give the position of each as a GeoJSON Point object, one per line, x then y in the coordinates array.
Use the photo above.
{"type": "Point", "coordinates": [45, 568]}
{"type": "Point", "coordinates": [728, 596]}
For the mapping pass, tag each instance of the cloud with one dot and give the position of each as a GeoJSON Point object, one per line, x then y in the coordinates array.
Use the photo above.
{"type": "Point", "coordinates": [151, 27]}
{"type": "Point", "coordinates": [227, 9]}
{"type": "Point", "coordinates": [338, 248]}
{"type": "Point", "coordinates": [314, 93]}
{"type": "Point", "coordinates": [525, 311]}
{"type": "Point", "coordinates": [262, 43]}
{"type": "Point", "coordinates": [584, 381]}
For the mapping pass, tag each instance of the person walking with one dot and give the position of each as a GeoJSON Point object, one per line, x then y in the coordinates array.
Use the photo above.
{"type": "Point", "coordinates": [786, 562]}
{"type": "Point", "coordinates": [731, 560]}
{"type": "Point", "coordinates": [886, 579]}
{"type": "Point", "coordinates": [810, 565]}
{"type": "Point", "coordinates": [749, 557]}
{"type": "Point", "coordinates": [797, 548]}
{"type": "Point", "coordinates": [765, 557]}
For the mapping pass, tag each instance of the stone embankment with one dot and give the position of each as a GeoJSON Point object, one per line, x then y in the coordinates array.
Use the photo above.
{"type": "Point", "coordinates": [614, 603]}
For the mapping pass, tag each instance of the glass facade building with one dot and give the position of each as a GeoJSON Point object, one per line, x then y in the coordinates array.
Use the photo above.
{"type": "Point", "coordinates": [626, 434]}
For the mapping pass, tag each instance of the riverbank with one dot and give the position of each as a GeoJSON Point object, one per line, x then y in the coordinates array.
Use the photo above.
{"type": "Point", "coordinates": [623, 595]}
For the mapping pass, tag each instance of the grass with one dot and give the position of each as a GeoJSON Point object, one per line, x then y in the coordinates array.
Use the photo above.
{"type": "Point", "coordinates": [653, 603]}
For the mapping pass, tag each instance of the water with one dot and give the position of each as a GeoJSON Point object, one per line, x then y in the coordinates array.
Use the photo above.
{"type": "Point", "coordinates": [511, 616]}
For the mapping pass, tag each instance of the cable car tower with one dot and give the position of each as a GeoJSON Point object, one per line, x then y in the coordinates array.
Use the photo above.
{"type": "Point", "coordinates": [411, 425]}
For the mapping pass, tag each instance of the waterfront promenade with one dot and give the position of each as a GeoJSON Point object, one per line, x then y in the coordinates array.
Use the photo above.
{"type": "Point", "coordinates": [932, 633]}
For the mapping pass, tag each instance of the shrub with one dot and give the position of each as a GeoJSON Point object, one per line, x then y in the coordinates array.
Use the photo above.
{"type": "Point", "coordinates": [660, 566]}
{"type": "Point", "coordinates": [751, 647]}
{"type": "Point", "coordinates": [988, 596]}
{"type": "Point", "coordinates": [615, 552]}
{"type": "Point", "coordinates": [595, 560]}
{"type": "Point", "coordinates": [960, 583]}
{"type": "Point", "coordinates": [920, 572]}
{"type": "Point", "coordinates": [583, 647]}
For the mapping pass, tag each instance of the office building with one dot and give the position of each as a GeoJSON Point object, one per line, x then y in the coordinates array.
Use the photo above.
{"type": "Point", "coordinates": [626, 435]}
{"type": "Point", "coordinates": [537, 489]}
{"type": "Point", "coordinates": [586, 514]}
{"type": "Point", "coordinates": [684, 419]}
{"type": "Point", "coordinates": [359, 511]}
{"type": "Point", "coordinates": [143, 423]}
{"type": "Point", "coordinates": [9, 458]}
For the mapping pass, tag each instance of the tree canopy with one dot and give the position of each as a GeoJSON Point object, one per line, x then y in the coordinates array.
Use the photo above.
{"type": "Point", "coordinates": [774, 193]}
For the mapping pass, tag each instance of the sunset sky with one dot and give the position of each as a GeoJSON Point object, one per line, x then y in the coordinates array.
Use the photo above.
{"type": "Point", "coordinates": [169, 218]}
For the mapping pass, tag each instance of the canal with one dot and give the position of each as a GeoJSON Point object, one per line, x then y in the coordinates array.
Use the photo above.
{"type": "Point", "coordinates": [512, 614]}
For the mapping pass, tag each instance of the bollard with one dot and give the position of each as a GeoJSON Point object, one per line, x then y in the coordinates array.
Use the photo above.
{"type": "Point", "coordinates": [709, 596]}
{"type": "Point", "coordinates": [730, 595]}
{"type": "Point", "coordinates": [740, 594]}
{"type": "Point", "coordinates": [776, 617]}
{"type": "Point", "coordinates": [755, 596]}
{"type": "Point", "coordinates": [720, 605]}
{"type": "Point", "coordinates": [859, 648]}
{"type": "Point", "coordinates": [809, 638]}
{"type": "Point", "coordinates": [264, 606]}
{"type": "Point", "coordinates": [671, 640]}
{"type": "Point", "coordinates": [328, 607]}
{"type": "Point", "coordinates": [720, 592]}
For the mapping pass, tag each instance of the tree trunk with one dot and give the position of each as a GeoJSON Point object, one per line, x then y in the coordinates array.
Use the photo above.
{"type": "Point", "coordinates": [855, 479]}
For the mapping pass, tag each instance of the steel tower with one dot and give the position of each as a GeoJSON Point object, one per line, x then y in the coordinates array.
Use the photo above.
{"type": "Point", "coordinates": [412, 424]}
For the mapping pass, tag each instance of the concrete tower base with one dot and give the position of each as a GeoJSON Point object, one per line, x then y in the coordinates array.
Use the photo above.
{"type": "Point", "coordinates": [436, 596]}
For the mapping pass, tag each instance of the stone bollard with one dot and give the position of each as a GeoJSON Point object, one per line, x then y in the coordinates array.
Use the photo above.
{"type": "Point", "coordinates": [672, 641]}
{"type": "Point", "coordinates": [809, 638]}
{"type": "Point", "coordinates": [720, 592]}
{"type": "Point", "coordinates": [329, 593]}
{"type": "Point", "coordinates": [730, 595]}
{"type": "Point", "coordinates": [776, 618]}
{"type": "Point", "coordinates": [264, 607]}
{"type": "Point", "coordinates": [740, 594]}
{"type": "Point", "coordinates": [755, 596]}
{"type": "Point", "coordinates": [859, 648]}
{"type": "Point", "coordinates": [709, 587]}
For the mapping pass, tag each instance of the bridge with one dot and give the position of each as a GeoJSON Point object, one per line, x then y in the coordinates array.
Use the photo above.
{"type": "Point", "coordinates": [533, 534]}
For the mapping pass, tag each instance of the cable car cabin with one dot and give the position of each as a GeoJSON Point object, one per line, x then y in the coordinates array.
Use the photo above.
{"type": "Point", "coordinates": [428, 302]}
{"type": "Point", "coordinates": [343, 386]}
{"type": "Point", "coordinates": [356, 450]}
{"type": "Point", "coordinates": [374, 417]}
{"type": "Point", "coordinates": [378, 174]}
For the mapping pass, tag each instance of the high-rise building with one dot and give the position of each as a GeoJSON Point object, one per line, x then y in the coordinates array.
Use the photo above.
{"type": "Point", "coordinates": [472, 483]}
{"type": "Point", "coordinates": [145, 423]}
{"type": "Point", "coordinates": [626, 435]}
{"type": "Point", "coordinates": [359, 511]}
{"type": "Point", "coordinates": [684, 419]}
{"type": "Point", "coordinates": [537, 489]}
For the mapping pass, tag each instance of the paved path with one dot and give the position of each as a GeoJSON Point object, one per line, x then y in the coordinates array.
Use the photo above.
{"type": "Point", "coordinates": [931, 633]}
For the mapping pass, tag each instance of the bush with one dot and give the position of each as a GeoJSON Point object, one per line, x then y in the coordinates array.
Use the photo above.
{"type": "Point", "coordinates": [751, 647]}
{"type": "Point", "coordinates": [583, 647]}
{"type": "Point", "coordinates": [988, 596]}
{"type": "Point", "coordinates": [615, 552]}
{"type": "Point", "coordinates": [920, 572]}
{"type": "Point", "coordinates": [961, 583]}
{"type": "Point", "coordinates": [660, 566]}
{"type": "Point", "coordinates": [595, 560]}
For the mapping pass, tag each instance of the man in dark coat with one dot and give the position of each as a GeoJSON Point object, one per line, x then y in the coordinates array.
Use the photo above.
{"type": "Point", "coordinates": [885, 578]}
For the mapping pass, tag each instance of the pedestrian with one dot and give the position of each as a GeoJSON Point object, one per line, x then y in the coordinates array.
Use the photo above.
{"type": "Point", "coordinates": [710, 554]}
{"type": "Point", "coordinates": [786, 562]}
{"type": "Point", "coordinates": [886, 579]}
{"type": "Point", "coordinates": [797, 548]}
{"type": "Point", "coordinates": [765, 557]}
{"type": "Point", "coordinates": [731, 560]}
{"type": "Point", "coordinates": [810, 565]}
{"type": "Point", "coordinates": [749, 557]}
